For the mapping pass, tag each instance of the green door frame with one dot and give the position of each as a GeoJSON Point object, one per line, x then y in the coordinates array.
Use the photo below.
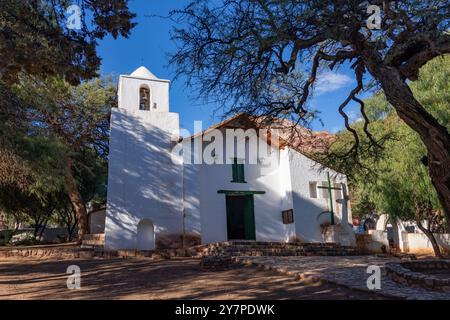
{"type": "Point", "coordinates": [239, 192]}
{"type": "Point", "coordinates": [249, 210]}
{"type": "Point", "coordinates": [249, 218]}
{"type": "Point", "coordinates": [246, 212]}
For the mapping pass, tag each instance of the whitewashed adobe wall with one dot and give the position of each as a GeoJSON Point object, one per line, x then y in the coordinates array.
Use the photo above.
{"type": "Point", "coordinates": [378, 239]}
{"type": "Point", "coordinates": [97, 221]}
{"type": "Point", "coordinates": [202, 181]}
{"type": "Point", "coordinates": [191, 200]}
{"type": "Point", "coordinates": [143, 181]}
{"type": "Point", "coordinates": [147, 189]}
{"type": "Point", "coordinates": [306, 209]}
{"type": "Point", "coordinates": [416, 242]}
{"type": "Point", "coordinates": [419, 242]}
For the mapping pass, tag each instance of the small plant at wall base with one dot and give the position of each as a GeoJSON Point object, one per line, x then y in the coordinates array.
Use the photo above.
{"type": "Point", "coordinates": [324, 226]}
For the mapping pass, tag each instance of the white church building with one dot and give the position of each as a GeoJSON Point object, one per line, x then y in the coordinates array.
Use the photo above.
{"type": "Point", "coordinates": [163, 193]}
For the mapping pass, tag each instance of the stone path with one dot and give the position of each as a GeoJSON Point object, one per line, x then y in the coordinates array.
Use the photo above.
{"type": "Point", "coordinates": [349, 271]}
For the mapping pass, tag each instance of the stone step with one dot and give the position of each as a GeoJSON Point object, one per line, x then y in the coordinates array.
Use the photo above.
{"type": "Point", "coordinates": [279, 247]}
{"type": "Point", "coordinates": [304, 249]}
{"type": "Point", "coordinates": [258, 248]}
{"type": "Point", "coordinates": [275, 248]}
{"type": "Point", "coordinates": [94, 236]}
{"type": "Point", "coordinates": [269, 244]}
{"type": "Point", "coordinates": [284, 253]}
{"type": "Point", "coordinates": [284, 247]}
{"type": "Point", "coordinates": [92, 243]}
{"type": "Point", "coordinates": [93, 240]}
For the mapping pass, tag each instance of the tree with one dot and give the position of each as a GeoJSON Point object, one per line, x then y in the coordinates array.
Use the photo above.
{"type": "Point", "coordinates": [245, 50]}
{"type": "Point", "coordinates": [78, 117]}
{"type": "Point", "coordinates": [36, 37]}
{"type": "Point", "coordinates": [61, 142]}
{"type": "Point", "coordinates": [39, 212]}
{"type": "Point", "coordinates": [31, 173]}
{"type": "Point", "coordinates": [398, 184]}
{"type": "Point", "coordinates": [401, 186]}
{"type": "Point", "coordinates": [40, 47]}
{"type": "Point", "coordinates": [66, 214]}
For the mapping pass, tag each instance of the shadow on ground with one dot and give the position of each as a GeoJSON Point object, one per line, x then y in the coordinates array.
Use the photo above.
{"type": "Point", "coordinates": [146, 279]}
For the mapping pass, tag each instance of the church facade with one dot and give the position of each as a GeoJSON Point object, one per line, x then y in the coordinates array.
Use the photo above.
{"type": "Point", "coordinates": [164, 192]}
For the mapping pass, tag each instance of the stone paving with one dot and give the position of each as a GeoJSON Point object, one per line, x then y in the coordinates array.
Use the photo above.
{"type": "Point", "coordinates": [348, 271]}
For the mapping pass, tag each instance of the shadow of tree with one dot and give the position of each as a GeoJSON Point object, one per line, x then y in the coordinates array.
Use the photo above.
{"type": "Point", "coordinates": [146, 279]}
{"type": "Point", "coordinates": [143, 180]}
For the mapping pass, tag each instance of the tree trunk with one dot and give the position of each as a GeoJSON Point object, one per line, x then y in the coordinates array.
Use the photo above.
{"type": "Point", "coordinates": [43, 227]}
{"type": "Point", "coordinates": [430, 236]}
{"type": "Point", "coordinates": [70, 225]}
{"type": "Point", "coordinates": [36, 229]}
{"type": "Point", "coordinates": [76, 200]}
{"type": "Point", "coordinates": [434, 136]}
{"type": "Point", "coordinates": [71, 230]}
{"type": "Point", "coordinates": [16, 228]}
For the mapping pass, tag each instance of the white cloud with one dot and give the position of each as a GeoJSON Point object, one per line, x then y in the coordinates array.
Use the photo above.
{"type": "Point", "coordinates": [354, 116]}
{"type": "Point", "coordinates": [335, 130]}
{"type": "Point", "coordinates": [330, 81]}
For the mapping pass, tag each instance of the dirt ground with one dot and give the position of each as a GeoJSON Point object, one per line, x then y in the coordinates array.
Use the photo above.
{"type": "Point", "coordinates": [24, 278]}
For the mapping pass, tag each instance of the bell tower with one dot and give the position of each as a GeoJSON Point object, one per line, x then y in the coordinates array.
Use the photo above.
{"type": "Point", "coordinates": [142, 90]}
{"type": "Point", "coordinates": [144, 202]}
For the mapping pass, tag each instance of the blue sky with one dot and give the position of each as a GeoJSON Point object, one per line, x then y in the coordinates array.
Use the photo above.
{"type": "Point", "coordinates": [149, 45]}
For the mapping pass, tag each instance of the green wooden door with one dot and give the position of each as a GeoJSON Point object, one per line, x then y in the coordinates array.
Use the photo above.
{"type": "Point", "coordinates": [249, 217]}
{"type": "Point", "coordinates": [240, 217]}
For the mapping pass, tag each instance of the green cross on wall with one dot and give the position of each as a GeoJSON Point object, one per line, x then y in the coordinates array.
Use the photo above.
{"type": "Point", "coordinates": [330, 194]}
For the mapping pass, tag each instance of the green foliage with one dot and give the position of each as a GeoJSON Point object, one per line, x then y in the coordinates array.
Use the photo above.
{"type": "Point", "coordinates": [43, 156]}
{"type": "Point", "coordinates": [432, 90]}
{"type": "Point", "coordinates": [35, 39]}
{"type": "Point", "coordinates": [91, 173]}
{"type": "Point", "coordinates": [401, 180]}
{"type": "Point", "coordinates": [62, 122]}
{"type": "Point", "coordinates": [49, 129]}
{"type": "Point", "coordinates": [396, 181]}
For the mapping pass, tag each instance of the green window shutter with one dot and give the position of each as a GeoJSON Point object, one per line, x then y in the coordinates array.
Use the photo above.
{"type": "Point", "coordinates": [241, 176]}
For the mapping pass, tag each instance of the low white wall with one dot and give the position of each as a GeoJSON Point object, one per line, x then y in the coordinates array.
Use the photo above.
{"type": "Point", "coordinates": [342, 234]}
{"type": "Point", "coordinates": [379, 239]}
{"type": "Point", "coordinates": [419, 242]}
{"type": "Point", "coordinates": [50, 235]}
{"type": "Point", "coordinates": [97, 221]}
{"type": "Point", "coordinates": [306, 209]}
